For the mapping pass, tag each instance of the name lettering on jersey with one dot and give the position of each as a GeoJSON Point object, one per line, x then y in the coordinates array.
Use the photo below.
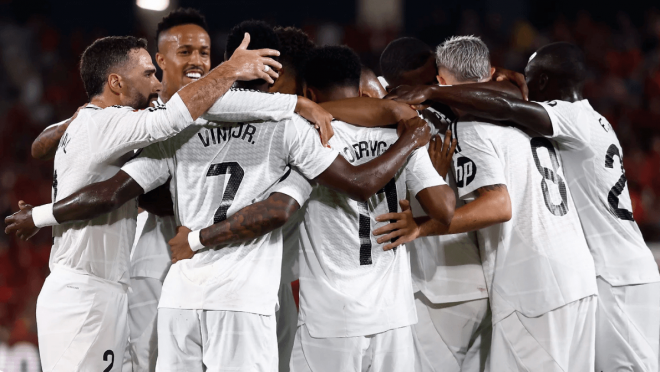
{"type": "Point", "coordinates": [465, 171]}
{"type": "Point", "coordinates": [215, 136]}
{"type": "Point", "coordinates": [364, 148]}
{"type": "Point", "coordinates": [64, 142]}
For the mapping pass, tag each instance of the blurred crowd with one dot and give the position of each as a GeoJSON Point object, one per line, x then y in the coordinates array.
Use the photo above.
{"type": "Point", "coordinates": [40, 85]}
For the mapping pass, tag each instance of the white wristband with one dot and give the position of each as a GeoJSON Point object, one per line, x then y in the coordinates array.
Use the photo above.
{"type": "Point", "coordinates": [194, 240]}
{"type": "Point", "coordinates": [43, 216]}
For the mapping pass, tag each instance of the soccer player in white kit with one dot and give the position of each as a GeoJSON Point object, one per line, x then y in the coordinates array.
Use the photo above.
{"type": "Point", "coordinates": [628, 317]}
{"type": "Point", "coordinates": [535, 257]}
{"type": "Point", "coordinates": [217, 308]}
{"type": "Point", "coordinates": [356, 300]}
{"type": "Point", "coordinates": [81, 310]}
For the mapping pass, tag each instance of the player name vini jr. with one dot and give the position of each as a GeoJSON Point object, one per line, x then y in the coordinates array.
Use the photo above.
{"type": "Point", "coordinates": [218, 135]}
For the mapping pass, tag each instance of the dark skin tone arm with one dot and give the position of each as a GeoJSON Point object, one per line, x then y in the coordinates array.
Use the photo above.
{"type": "Point", "coordinates": [158, 201]}
{"type": "Point", "coordinates": [478, 101]}
{"type": "Point", "coordinates": [357, 182]}
{"type": "Point", "coordinates": [492, 206]}
{"type": "Point", "coordinates": [45, 145]}
{"type": "Point", "coordinates": [246, 224]}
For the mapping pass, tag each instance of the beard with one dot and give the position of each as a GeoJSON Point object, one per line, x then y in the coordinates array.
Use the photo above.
{"type": "Point", "coordinates": [140, 101]}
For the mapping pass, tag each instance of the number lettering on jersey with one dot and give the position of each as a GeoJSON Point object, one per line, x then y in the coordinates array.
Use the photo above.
{"type": "Point", "coordinates": [617, 189]}
{"type": "Point", "coordinates": [364, 220]}
{"type": "Point", "coordinates": [236, 173]}
{"type": "Point", "coordinates": [106, 355]}
{"type": "Point", "coordinates": [465, 171]}
{"type": "Point", "coordinates": [550, 175]}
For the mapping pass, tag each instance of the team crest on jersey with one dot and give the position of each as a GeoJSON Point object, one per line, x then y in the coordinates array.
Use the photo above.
{"type": "Point", "coordinates": [605, 125]}
{"type": "Point", "coordinates": [465, 171]}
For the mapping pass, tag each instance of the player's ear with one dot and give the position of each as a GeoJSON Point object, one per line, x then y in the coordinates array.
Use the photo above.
{"type": "Point", "coordinates": [160, 61]}
{"type": "Point", "coordinates": [543, 81]}
{"type": "Point", "coordinates": [309, 93]}
{"type": "Point", "coordinates": [115, 83]}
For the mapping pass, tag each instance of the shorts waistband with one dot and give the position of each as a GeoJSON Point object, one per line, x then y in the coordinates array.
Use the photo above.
{"type": "Point", "coordinates": [67, 273]}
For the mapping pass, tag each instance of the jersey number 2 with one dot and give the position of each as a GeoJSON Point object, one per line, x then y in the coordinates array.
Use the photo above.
{"type": "Point", "coordinates": [236, 173]}
{"type": "Point", "coordinates": [550, 175]}
{"type": "Point", "coordinates": [106, 355]}
{"type": "Point", "coordinates": [364, 220]}
{"type": "Point", "coordinates": [617, 189]}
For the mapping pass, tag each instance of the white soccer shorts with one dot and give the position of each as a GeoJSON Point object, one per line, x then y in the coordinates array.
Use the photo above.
{"type": "Point", "coordinates": [142, 348]}
{"type": "Point", "coordinates": [81, 323]}
{"type": "Point", "coordinates": [628, 327]}
{"type": "Point", "coordinates": [287, 322]}
{"type": "Point", "coordinates": [214, 341]}
{"type": "Point", "coordinates": [562, 340]}
{"type": "Point", "coordinates": [383, 352]}
{"type": "Point", "coordinates": [452, 337]}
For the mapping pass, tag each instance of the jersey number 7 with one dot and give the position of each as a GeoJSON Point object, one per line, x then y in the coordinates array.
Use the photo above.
{"type": "Point", "coordinates": [236, 173]}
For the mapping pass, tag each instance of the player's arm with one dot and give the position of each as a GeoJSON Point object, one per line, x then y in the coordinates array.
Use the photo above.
{"type": "Point", "coordinates": [362, 181]}
{"type": "Point", "coordinates": [478, 100]}
{"type": "Point", "coordinates": [45, 145]}
{"type": "Point", "coordinates": [369, 112]}
{"type": "Point", "coordinates": [158, 201]}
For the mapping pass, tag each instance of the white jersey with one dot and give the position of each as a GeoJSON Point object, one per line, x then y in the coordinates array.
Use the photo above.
{"type": "Point", "coordinates": [593, 159]}
{"type": "Point", "coordinates": [215, 172]}
{"type": "Point", "coordinates": [349, 286]}
{"type": "Point", "coordinates": [446, 268]}
{"type": "Point", "coordinates": [539, 260]}
{"type": "Point", "coordinates": [96, 145]}
{"type": "Point", "coordinates": [151, 256]}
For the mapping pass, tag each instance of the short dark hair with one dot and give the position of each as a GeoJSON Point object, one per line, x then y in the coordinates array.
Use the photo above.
{"type": "Point", "coordinates": [181, 16]}
{"type": "Point", "coordinates": [402, 55]}
{"type": "Point", "coordinates": [102, 56]}
{"type": "Point", "coordinates": [295, 46]}
{"type": "Point", "coordinates": [261, 33]}
{"type": "Point", "coordinates": [333, 66]}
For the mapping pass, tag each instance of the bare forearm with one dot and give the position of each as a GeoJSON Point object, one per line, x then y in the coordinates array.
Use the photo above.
{"type": "Point", "coordinates": [251, 222]}
{"type": "Point", "coordinates": [201, 94]}
{"type": "Point", "coordinates": [369, 112]}
{"type": "Point", "coordinates": [96, 199]}
{"type": "Point", "coordinates": [45, 145]}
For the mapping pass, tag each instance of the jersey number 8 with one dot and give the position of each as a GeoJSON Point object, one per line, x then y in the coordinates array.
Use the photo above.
{"type": "Point", "coordinates": [551, 175]}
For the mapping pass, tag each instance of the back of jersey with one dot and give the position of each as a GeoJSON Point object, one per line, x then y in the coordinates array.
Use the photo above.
{"type": "Point", "coordinates": [215, 172]}
{"type": "Point", "coordinates": [349, 286]}
{"type": "Point", "coordinates": [539, 260]}
{"type": "Point", "coordinates": [594, 167]}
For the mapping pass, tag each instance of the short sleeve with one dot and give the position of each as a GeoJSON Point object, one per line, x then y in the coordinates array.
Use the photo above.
{"type": "Point", "coordinates": [295, 185]}
{"type": "Point", "coordinates": [420, 173]}
{"type": "Point", "coordinates": [149, 169]}
{"type": "Point", "coordinates": [244, 105]}
{"type": "Point", "coordinates": [477, 164]}
{"type": "Point", "coordinates": [567, 128]}
{"type": "Point", "coordinates": [306, 152]}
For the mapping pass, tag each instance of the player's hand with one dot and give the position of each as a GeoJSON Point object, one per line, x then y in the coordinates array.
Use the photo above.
{"type": "Point", "coordinates": [251, 64]}
{"type": "Point", "coordinates": [179, 244]}
{"type": "Point", "coordinates": [21, 222]}
{"type": "Point", "coordinates": [441, 153]}
{"type": "Point", "coordinates": [502, 74]}
{"type": "Point", "coordinates": [415, 96]}
{"type": "Point", "coordinates": [415, 129]}
{"type": "Point", "coordinates": [318, 116]}
{"type": "Point", "coordinates": [404, 227]}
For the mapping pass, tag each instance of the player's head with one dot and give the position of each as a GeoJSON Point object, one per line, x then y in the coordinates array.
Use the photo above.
{"type": "Point", "coordinates": [332, 73]}
{"type": "Point", "coordinates": [462, 60]}
{"type": "Point", "coordinates": [369, 84]}
{"type": "Point", "coordinates": [555, 71]}
{"type": "Point", "coordinates": [184, 48]}
{"type": "Point", "coordinates": [262, 36]}
{"type": "Point", "coordinates": [121, 67]}
{"type": "Point", "coordinates": [295, 46]}
{"type": "Point", "coordinates": [408, 61]}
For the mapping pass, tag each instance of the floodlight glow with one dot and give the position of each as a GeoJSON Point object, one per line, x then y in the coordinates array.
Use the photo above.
{"type": "Point", "coordinates": [157, 5]}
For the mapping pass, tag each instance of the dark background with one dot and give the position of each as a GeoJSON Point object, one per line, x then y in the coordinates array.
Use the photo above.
{"type": "Point", "coordinates": [42, 40]}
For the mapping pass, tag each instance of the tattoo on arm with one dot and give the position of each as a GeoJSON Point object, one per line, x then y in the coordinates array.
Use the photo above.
{"type": "Point", "coordinates": [252, 221]}
{"type": "Point", "coordinates": [45, 146]}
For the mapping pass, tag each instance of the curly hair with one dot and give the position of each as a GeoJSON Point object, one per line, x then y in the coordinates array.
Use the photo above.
{"type": "Point", "coordinates": [104, 55]}
{"type": "Point", "coordinates": [295, 46]}
{"type": "Point", "coordinates": [181, 16]}
{"type": "Point", "coordinates": [333, 66]}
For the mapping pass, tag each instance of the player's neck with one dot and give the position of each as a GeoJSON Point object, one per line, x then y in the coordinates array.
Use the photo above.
{"type": "Point", "coordinates": [106, 99]}
{"type": "Point", "coordinates": [168, 91]}
{"type": "Point", "coordinates": [571, 95]}
{"type": "Point", "coordinates": [337, 93]}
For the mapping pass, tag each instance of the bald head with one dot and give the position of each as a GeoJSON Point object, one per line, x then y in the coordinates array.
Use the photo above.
{"type": "Point", "coordinates": [369, 84]}
{"type": "Point", "coordinates": [556, 71]}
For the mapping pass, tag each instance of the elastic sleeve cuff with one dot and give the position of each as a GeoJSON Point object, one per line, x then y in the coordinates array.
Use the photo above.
{"type": "Point", "coordinates": [194, 240]}
{"type": "Point", "coordinates": [43, 216]}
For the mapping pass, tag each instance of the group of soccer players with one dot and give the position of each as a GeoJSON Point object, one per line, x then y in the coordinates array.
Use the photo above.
{"type": "Point", "coordinates": [457, 226]}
